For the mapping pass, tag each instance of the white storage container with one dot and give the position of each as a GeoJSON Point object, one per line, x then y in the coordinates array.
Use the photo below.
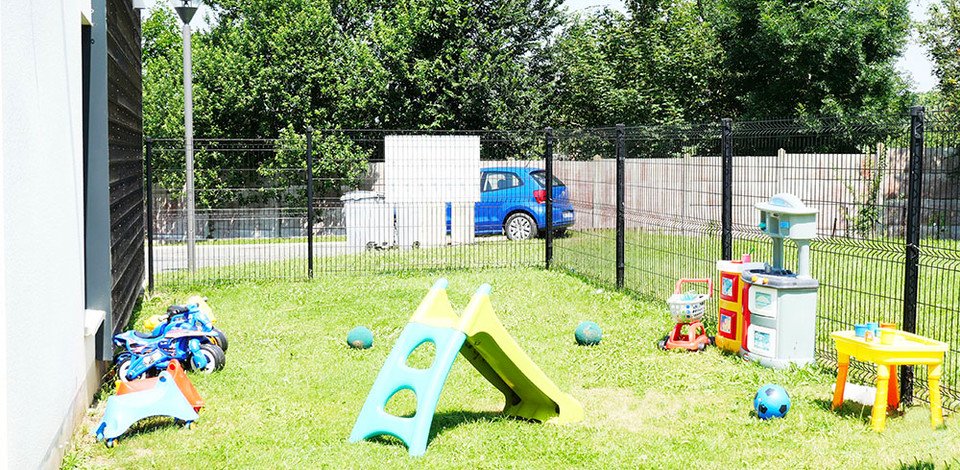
{"type": "Point", "coordinates": [368, 219]}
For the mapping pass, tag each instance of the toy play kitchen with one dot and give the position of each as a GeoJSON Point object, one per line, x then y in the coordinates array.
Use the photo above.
{"type": "Point", "coordinates": [730, 312]}
{"type": "Point", "coordinates": [780, 307]}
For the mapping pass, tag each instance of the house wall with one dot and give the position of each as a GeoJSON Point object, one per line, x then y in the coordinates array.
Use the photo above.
{"type": "Point", "coordinates": [50, 371]}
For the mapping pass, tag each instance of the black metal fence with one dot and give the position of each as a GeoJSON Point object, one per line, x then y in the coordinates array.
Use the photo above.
{"type": "Point", "coordinates": [658, 204]}
{"type": "Point", "coordinates": [635, 207]}
{"type": "Point", "coordinates": [328, 201]}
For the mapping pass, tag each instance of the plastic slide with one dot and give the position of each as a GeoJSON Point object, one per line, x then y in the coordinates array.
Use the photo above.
{"type": "Point", "coordinates": [528, 392]}
{"type": "Point", "coordinates": [481, 338]}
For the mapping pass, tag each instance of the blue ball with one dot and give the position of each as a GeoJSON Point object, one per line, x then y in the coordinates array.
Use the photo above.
{"type": "Point", "coordinates": [771, 401]}
{"type": "Point", "coordinates": [360, 338]}
{"type": "Point", "coordinates": [588, 333]}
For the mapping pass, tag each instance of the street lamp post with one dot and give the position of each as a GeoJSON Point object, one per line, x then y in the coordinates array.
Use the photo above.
{"type": "Point", "coordinates": [186, 11]}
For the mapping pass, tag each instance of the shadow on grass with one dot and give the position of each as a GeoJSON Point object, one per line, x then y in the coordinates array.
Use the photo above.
{"type": "Point", "coordinates": [852, 409]}
{"type": "Point", "coordinates": [442, 422]}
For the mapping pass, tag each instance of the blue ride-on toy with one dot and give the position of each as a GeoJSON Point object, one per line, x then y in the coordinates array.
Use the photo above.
{"type": "Point", "coordinates": [195, 315]}
{"type": "Point", "coordinates": [145, 356]}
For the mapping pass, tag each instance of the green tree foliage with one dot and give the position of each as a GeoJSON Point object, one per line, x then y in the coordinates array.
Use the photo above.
{"type": "Point", "coordinates": [941, 35]}
{"type": "Point", "coordinates": [659, 64]}
{"type": "Point", "coordinates": [266, 68]}
{"type": "Point", "coordinates": [813, 57]}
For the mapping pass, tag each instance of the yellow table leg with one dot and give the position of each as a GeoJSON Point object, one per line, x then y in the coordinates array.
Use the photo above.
{"type": "Point", "coordinates": [843, 365]}
{"type": "Point", "coordinates": [880, 403]}
{"type": "Point", "coordinates": [933, 382]}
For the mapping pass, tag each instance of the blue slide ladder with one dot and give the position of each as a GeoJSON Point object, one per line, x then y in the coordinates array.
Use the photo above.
{"type": "Point", "coordinates": [426, 384]}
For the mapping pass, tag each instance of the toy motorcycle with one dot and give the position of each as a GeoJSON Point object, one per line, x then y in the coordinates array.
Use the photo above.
{"type": "Point", "coordinates": [196, 315]}
{"type": "Point", "coordinates": [145, 356]}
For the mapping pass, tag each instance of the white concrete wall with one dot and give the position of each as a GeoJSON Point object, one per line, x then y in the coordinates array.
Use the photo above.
{"type": "Point", "coordinates": [49, 360]}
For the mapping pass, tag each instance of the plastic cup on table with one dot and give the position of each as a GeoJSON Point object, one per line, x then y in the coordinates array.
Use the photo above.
{"type": "Point", "coordinates": [887, 335]}
{"type": "Point", "coordinates": [860, 329]}
{"type": "Point", "coordinates": [892, 326]}
{"type": "Point", "coordinates": [874, 327]}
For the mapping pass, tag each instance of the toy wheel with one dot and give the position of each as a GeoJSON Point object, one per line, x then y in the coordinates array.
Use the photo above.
{"type": "Point", "coordinates": [122, 368]}
{"type": "Point", "coordinates": [110, 443]}
{"type": "Point", "coordinates": [221, 338]}
{"type": "Point", "coordinates": [188, 425]}
{"type": "Point", "coordinates": [713, 340]}
{"type": "Point", "coordinates": [520, 226]}
{"type": "Point", "coordinates": [701, 347]}
{"type": "Point", "coordinates": [215, 359]}
{"type": "Point", "coordinates": [662, 344]}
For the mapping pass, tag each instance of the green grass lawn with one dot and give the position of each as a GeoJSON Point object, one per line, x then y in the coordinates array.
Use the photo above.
{"type": "Point", "coordinates": [292, 389]}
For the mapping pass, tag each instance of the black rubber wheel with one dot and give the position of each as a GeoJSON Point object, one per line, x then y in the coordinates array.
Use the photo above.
{"type": "Point", "coordinates": [560, 232]}
{"type": "Point", "coordinates": [110, 443]}
{"type": "Point", "coordinates": [662, 344]}
{"type": "Point", "coordinates": [701, 347]}
{"type": "Point", "coordinates": [520, 226]}
{"type": "Point", "coordinates": [221, 338]}
{"type": "Point", "coordinates": [215, 359]}
{"type": "Point", "coordinates": [713, 340]}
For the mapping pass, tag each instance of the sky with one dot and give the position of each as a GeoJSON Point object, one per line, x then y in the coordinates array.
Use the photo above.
{"type": "Point", "coordinates": [913, 65]}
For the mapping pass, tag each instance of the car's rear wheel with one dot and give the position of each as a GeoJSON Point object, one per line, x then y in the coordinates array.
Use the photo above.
{"type": "Point", "coordinates": [520, 226]}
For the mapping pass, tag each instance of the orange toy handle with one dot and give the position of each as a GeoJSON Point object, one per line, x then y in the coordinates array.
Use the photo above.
{"type": "Point", "coordinates": [681, 282]}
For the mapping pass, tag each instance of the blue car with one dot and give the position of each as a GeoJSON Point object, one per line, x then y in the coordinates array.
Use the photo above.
{"type": "Point", "coordinates": [513, 203]}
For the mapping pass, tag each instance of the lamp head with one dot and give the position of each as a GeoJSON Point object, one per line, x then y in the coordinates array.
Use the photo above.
{"type": "Point", "coordinates": [185, 10]}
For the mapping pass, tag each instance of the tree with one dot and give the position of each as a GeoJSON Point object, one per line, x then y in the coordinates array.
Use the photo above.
{"type": "Point", "coordinates": [813, 57]}
{"type": "Point", "coordinates": [659, 65]}
{"type": "Point", "coordinates": [941, 35]}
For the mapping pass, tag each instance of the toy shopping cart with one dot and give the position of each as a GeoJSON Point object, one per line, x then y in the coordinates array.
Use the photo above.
{"type": "Point", "coordinates": [687, 309]}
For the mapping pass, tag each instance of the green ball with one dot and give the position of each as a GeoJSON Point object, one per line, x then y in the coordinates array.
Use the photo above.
{"type": "Point", "coordinates": [588, 333]}
{"type": "Point", "coordinates": [360, 338]}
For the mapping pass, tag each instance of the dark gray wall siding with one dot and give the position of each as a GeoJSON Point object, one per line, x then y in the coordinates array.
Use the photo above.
{"type": "Point", "coordinates": [124, 105]}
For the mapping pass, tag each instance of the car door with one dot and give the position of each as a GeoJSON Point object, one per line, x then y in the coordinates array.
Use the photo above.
{"type": "Point", "coordinates": [495, 196]}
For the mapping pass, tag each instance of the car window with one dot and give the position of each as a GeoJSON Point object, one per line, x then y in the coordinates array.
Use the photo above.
{"type": "Point", "coordinates": [497, 180]}
{"type": "Point", "coordinates": [541, 178]}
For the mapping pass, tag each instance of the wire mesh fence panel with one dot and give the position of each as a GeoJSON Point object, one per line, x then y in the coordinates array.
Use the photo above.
{"type": "Point", "coordinates": [430, 199]}
{"type": "Point", "coordinates": [250, 215]}
{"type": "Point", "coordinates": [585, 166]}
{"type": "Point", "coordinates": [938, 300]}
{"type": "Point", "coordinates": [381, 201]}
{"type": "Point", "coordinates": [671, 199]}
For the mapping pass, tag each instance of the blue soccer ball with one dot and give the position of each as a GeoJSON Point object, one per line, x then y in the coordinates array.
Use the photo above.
{"type": "Point", "coordinates": [360, 338]}
{"type": "Point", "coordinates": [771, 401]}
{"type": "Point", "coordinates": [588, 333]}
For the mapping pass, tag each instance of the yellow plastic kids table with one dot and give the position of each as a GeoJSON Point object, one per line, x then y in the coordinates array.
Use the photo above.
{"type": "Point", "coordinates": [904, 349]}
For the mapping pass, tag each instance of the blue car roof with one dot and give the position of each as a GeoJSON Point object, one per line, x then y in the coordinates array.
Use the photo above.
{"type": "Point", "coordinates": [512, 168]}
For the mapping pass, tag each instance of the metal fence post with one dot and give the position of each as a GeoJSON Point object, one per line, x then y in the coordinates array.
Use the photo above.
{"type": "Point", "coordinates": [310, 202]}
{"type": "Point", "coordinates": [548, 163]}
{"type": "Point", "coordinates": [149, 221]}
{"type": "Point", "coordinates": [621, 190]}
{"type": "Point", "coordinates": [726, 208]}
{"type": "Point", "coordinates": [911, 274]}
